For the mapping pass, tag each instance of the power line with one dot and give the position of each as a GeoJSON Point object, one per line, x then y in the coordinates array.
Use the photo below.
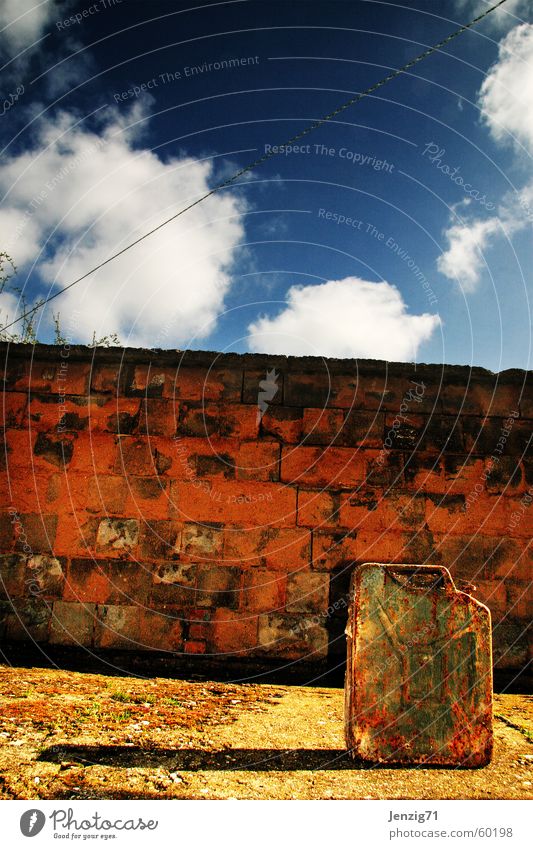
{"type": "Point", "coordinates": [266, 156]}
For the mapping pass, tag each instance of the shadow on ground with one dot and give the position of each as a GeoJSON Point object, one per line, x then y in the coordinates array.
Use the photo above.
{"type": "Point", "coordinates": [230, 760]}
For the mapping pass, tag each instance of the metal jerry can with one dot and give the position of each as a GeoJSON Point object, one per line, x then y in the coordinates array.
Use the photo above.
{"type": "Point", "coordinates": [418, 684]}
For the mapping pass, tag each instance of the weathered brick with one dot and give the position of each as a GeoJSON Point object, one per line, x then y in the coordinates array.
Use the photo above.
{"type": "Point", "coordinates": [45, 576]}
{"type": "Point", "coordinates": [105, 494]}
{"type": "Point", "coordinates": [283, 423]}
{"type": "Point", "coordinates": [158, 417]}
{"type": "Point", "coordinates": [57, 450]}
{"type": "Point", "coordinates": [233, 632]}
{"type": "Point", "coordinates": [203, 384]}
{"type": "Point", "coordinates": [201, 541]}
{"type": "Point", "coordinates": [160, 631]}
{"type": "Point", "coordinates": [324, 426]}
{"type": "Point", "coordinates": [107, 581]}
{"type": "Point", "coordinates": [174, 584]}
{"type": "Point", "coordinates": [72, 624]}
{"type": "Point", "coordinates": [76, 534]}
{"type": "Point", "coordinates": [12, 576]}
{"type": "Point", "coordinates": [150, 381]}
{"type": "Point", "coordinates": [332, 549]}
{"type": "Point", "coordinates": [120, 535]}
{"type": "Point", "coordinates": [504, 475]}
{"type": "Point", "coordinates": [159, 539]}
{"type": "Point", "coordinates": [143, 457]}
{"type": "Point", "coordinates": [383, 468]}
{"type": "Point", "coordinates": [318, 508]}
{"type": "Point", "coordinates": [253, 391]}
{"type": "Point", "coordinates": [106, 378]}
{"type": "Point", "coordinates": [307, 592]}
{"type": "Point", "coordinates": [291, 637]}
{"type": "Point", "coordinates": [218, 586]}
{"type": "Point", "coordinates": [35, 533]}
{"type": "Point", "coordinates": [331, 467]}
{"type": "Point", "coordinates": [249, 504]}
{"type": "Point", "coordinates": [277, 549]}
{"type": "Point", "coordinates": [363, 429]}
{"type": "Point", "coordinates": [14, 406]}
{"type": "Point", "coordinates": [118, 626]}
{"type": "Point", "coordinates": [94, 454]}
{"type": "Point", "coordinates": [511, 641]}
{"type": "Point", "coordinates": [29, 621]}
{"type": "Point", "coordinates": [263, 591]}
{"type": "Point", "coordinates": [258, 461]}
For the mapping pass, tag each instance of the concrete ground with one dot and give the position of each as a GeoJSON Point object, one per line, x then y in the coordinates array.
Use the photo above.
{"type": "Point", "coordinates": [72, 735]}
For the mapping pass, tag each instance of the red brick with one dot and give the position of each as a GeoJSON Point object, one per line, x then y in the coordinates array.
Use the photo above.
{"type": "Point", "coordinates": [160, 631]}
{"type": "Point", "coordinates": [249, 504]}
{"type": "Point", "coordinates": [29, 493]}
{"type": "Point", "coordinates": [173, 584]}
{"type": "Point", "coordinates": [252, 388]}
{"type": "Point", "coordinates": [160, 539]}
{"type": "Point", "coordinates": [233, 632]}
{"type": "Point", "coordinates": [93, 453]}
{"type": "Point", "coordinates": [364, 429]}
{"type": "Point", "coordinates": [276, 549]}
{"type": "Point", "coordinates": [318, 508]}
{"type": "Point", "coordinates": [117, 536]}
{"type": "Point", "coordinates": [106, 378]}
{"type": "Point", "coordinates": [76, 534]}
{"type": "Point", "coordinates": [332, 549]}
{"type": "Point", "coordinates": [60, 375]}
{"type": "Point", "coordinates": [307, 592]}
{"type": "Point", "coordinates": [322, 426]}
{"type": "Point", "coordinates": [263, 591]}
{"type": "Point", "coordinates": [258, 461]}
{"type": "Point", "coordinates": [118, 627]}
{"type": "Point", "coordinates": [202, 384]}
{"type": "Point", "coordinates": [194, 647]}
{"type": "Point", "coordinates": [218, 586]}
{"type": "Point", "coordinates": [230, 420]}
{"type": "Point", "coordinates": [332, 467]}
{"type": "Point", "coordinates": [283, 423]}
{"type": "Point", "coordinates": [148, 497]}
{"type": "Point", "coordinates": [151, 381]}
{"type": "Point", "coordinates": [14, 408]}
{"type": "Point", "coordinates": [158, 417]}
{"type": "Point", "coordinates": [12, 576]}
{"type": "Point", "coordinates": [107, 581]}
{"type": "Point", "coordinates": [201, 542]}
{"type": "Point", "coordinates": [146, 456]}
{"type": "Point", "coordinates": [105, 494]}
{"type": "Point", "coordinates": [72, 624]}
{"type": "Point", "coordinates": [374, 511]}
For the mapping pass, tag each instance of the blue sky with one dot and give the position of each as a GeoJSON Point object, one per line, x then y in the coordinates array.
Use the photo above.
{"type": "Point", "coordinates": [400, 231]}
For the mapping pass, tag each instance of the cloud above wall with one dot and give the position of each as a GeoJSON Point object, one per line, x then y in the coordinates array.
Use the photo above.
{"type": "Point", "coordinates": [344, 318]}
{"type": "Point", "coordinates": [80, 195]}
{"type": "Point", "coordinates": [505, 101]}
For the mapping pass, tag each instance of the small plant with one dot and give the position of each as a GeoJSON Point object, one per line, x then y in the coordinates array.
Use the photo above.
{"type": "Point", "coordinates": [27, 331]}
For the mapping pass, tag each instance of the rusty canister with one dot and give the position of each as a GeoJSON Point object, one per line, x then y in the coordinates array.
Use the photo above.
{"type": "Point", "coordinates": [418, 684]}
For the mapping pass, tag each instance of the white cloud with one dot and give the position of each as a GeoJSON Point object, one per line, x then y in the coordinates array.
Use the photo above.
{"type": "Point", "coordinates": [506, 95]}
{"type": "Point", "coordinates": [344, 318]}
{"type": "Point", "coordinates": [511, 13]}
{"type": "Point", "coordinates": [22, 22]}
{"type": "Point", "coordinates": [463, 260]}
{"type": "Point", "coordinates": [80, 196]}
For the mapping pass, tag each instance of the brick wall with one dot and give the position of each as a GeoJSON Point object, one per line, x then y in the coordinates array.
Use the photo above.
{"type": "Point", "coordinates": [198, 503]}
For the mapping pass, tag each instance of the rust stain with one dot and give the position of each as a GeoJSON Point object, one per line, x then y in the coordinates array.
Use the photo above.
{"type": "Point", "coordinates": [419, 672]}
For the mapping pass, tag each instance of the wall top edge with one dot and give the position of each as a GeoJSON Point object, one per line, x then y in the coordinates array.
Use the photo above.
{"type": "Point", "coordinates": [217, 359]}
